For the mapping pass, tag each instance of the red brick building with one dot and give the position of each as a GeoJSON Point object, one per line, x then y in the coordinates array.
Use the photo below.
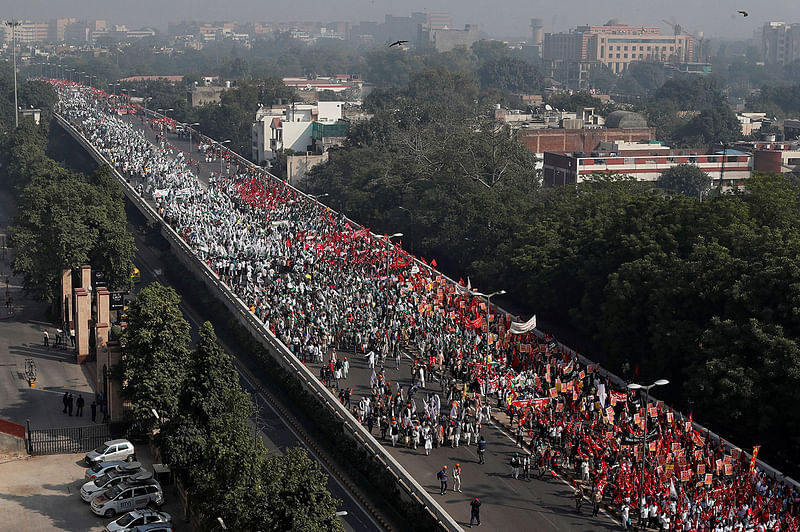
{"type": "Point", "coordinates": [579, 140]}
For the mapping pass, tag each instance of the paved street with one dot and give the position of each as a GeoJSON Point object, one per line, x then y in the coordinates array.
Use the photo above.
{"type": "Point", "coordinates": [508, 504]}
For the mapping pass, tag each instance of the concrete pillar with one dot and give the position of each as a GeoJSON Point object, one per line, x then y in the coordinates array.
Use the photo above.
{"type": "Point", "coordinates": [101, 331]}
{"type": "Point", "coordinates": [86, 276]}
{"type": "Point", "coordinates": [83, 310]}
{"type": "Point", "coordinates": [66, 298]}
{"type": "Point", "coordinates": [103, 301]}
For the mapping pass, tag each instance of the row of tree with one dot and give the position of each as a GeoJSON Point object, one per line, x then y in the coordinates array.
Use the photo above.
{"type": "Point", "coordinates": [65, 219]}
{"type": "Point", "coordinates": [205, 430]}
{"type": "Point", "coordinates": [660, 280]}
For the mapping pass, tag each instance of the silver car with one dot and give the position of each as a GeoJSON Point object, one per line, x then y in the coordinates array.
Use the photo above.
{"type": "Point", "coordinates": [101, 468]}
{"type": "Point", "coordinates": [138, 491]}
{"type": "Point", "coordinates": [137, 518]}
{"type": "Point", "coordinates": [111, 478]}
{"type": "Point", "coordinates": [112, 450]}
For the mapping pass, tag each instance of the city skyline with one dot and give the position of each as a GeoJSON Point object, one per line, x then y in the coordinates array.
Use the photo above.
{"type": "Point", "coordinates": [504, 19]}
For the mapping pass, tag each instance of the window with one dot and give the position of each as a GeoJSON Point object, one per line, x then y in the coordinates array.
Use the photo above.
{"type": "Point", "coordinates": [641, 48]}
{"type": "Point", "coordinates": [140, 492]}
{"type": "Point", "coordinates": [625, 56]}
{"type": "Point", "coordinates": [617, 56]}
{"type": "Point", "coordinates": [625, 48]}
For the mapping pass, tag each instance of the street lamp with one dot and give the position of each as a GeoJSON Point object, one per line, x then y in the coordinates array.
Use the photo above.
{"type": "Point", "coordinates": [114, 88]}
{"type": "Point", "coordinates": [220, 154]}
{"type": "Point", "coordinates": [318, 196]}
{"type": "Point", "coordinates": [222, 523]}
{"type": "Point", "coordinates": [635, 386]}
{"type": "Point", "coordinates": [488, 304]}
{"type": "Point", "coordinates": [388, 258]}
{"type": "Point", "coordinates": [13, 25]}
{"type": "Point", "coordinates": [190, 133]}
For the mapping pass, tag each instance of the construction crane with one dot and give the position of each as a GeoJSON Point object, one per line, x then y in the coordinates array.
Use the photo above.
{"type": "Point", "coordinates": [677, 29]}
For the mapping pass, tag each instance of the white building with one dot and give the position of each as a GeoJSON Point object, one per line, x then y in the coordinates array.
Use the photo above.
{"type": "Point", "coordinates": [290, 127]}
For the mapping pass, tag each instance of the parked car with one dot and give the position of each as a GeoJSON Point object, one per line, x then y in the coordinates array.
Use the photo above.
{"type": "Point", "coordinates": [155, 527]}
{"type": "Point", "coordinates": [137, 518]}
{"type": "Point", "coordinates": [101, 468]}
{"type": "Point", "coordinates": [112, 450]}
{"type": "Point", "coordinates": [109, 480]}
{"type": "Point", "coordinates": [138, 491]}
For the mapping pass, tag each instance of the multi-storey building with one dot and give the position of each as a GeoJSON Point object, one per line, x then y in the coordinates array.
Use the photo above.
{"type": "Point", "coordinates": [780, 42]}
{"type": "Point", "coordinates": [617, 46]}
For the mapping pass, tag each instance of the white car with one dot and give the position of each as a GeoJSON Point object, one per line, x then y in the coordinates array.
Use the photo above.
{"type": "Point", "coordinates": [138, 491]}
{"type": "Point", "coordinates": [112, 450]}
{"type": "Point", "coordinates": [137, 518]}
{"type": "Point", "coordinates": [110, 479]}
{"type": "Point", "coordinates": [101, 468]}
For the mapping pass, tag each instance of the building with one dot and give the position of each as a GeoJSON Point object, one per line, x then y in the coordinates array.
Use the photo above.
{"type": "Point", "coordinates": [204, 95]}
{"type": "Point", "coordinates": [618, 45]}
{"type": "Point", "coordinates": [27, 32]}
{"type": "Point", "coordinates": [446, 39]}
{"type": "Point", "coordinates": [645, 162]}
{"type": "Point", "coordinates": [773, 157]}
{"type": "Point", "coordinates": [301, 128]}
{"type": "Point", "coordinates": [780, 42]}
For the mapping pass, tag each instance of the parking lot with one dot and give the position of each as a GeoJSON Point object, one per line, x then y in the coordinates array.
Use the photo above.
{"type": "Point", "coordinates": [41, 493]}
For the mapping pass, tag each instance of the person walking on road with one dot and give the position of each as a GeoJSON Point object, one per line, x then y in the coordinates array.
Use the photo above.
{"type": "Point", "coordinates": [482, 450]}
{"type": "Point", "coordinates": [65, 400]}
{"type": "Point", "coordinates": [79, 403]}
{"type": "Point", "coordinates": [442, 476]}
{"type": "Point", "coordinates": [597, 498]}
{"type": "Point", "coordinates": [526, 466]}
{"type": "Point", "coordinates": [46, 338]}
{"type": "Point", "coordinates": [93, 408]}
{"type": "Point", "coordinates": [475, 512]}
{"type": "Point", "coordinates": [457, 478]}
{"type": "Point", "coordinates": [515, 463]}
{"type": "Point", "coordinates": [69, 404]}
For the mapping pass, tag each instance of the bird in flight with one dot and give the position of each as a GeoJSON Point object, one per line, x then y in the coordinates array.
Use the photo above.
{"type": "Point", "coordinates": [744, 13]}
{"type": "Point", "coordinates": [397, 43]}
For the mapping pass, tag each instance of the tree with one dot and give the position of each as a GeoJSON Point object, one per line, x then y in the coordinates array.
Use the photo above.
{"type": "Point", "coordinates": [687, 179]}
{"type": "Point", "coordinates": [156, 353]}
{"type": "Point", "coordinates": [717, 125]}
{"type": "Point", "coordinates": [509, 74]}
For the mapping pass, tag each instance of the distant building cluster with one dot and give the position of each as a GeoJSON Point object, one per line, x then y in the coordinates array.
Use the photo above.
{"type": "Point", "coordinates": [71, 31]}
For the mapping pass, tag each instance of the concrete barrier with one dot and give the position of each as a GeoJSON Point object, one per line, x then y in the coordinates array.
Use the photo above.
{"type": "Point", "coordinates": [411, 489]}
{"type": "Point", "coordinates": [12, 438]}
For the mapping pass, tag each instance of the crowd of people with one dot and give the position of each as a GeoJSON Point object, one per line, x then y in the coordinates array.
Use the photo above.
{"type": "Point", "coordinates": [331, 290]}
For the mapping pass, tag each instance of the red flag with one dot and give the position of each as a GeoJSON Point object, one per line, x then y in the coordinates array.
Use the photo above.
{"type": "Point", "coordinates": [433, 263]}
{"type": "Point", "coordinates": [753, 459]}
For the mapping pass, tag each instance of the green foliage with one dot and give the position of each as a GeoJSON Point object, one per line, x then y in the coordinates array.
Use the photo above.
{"type": "Point", "coordinates": [779, 100]}
{"type": "Point", "coordinates": [687, 179]}
{"type": "Point", "coordinates": [66, 221]}
{"type": "Point", "coordinates": [509, 74]}
{"type": "Point", "coordinates": [156, 354]}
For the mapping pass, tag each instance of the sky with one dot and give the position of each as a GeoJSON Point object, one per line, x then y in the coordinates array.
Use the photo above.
{"type": "Point", "coordinates": [499, 18]}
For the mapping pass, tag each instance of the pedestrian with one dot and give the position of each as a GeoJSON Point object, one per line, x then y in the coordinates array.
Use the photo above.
{"type": "Point", "coordinates": [442, 476]}
{"type": "Point", "coordinates": [475, 512]}
{"type": "Point", "coordinates": [482, 450]}
{"type": "Point", "coordinates": [93, 408]}
{"type": "Point", "coordinates": [625, 521]}
{"type": "Point", "coordinates": [428, 444]}
{"type": "Point", "coordinates": [597, 498]}
{"type": "Point", "coordinates": [46, 338]}
{"type": "Point", "coordinates": [457, 478]}
{"type": "Point", "coordinates": [65, 400]}
{"type": "Point", "coordinates": [79, 403]}
{"type": "Point", "coordinates": [526, 466]}
{"type": "Point", "coordinates": [105, 413]}
{"type": "Point", "coordinates": [69, 404]}
{"type": "Point", "coordinates": [515, 463]}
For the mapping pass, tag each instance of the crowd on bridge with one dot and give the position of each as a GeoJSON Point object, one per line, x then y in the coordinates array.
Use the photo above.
{"type": "Point", "coordinates": [331, 290]}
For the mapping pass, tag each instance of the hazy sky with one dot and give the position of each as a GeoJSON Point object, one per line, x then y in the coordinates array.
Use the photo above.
{"type": "Point", "coordinates": [500, 18]}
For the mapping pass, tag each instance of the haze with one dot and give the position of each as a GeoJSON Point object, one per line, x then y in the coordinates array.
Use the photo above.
{"type": "Point", "coordinates": [499, 18]}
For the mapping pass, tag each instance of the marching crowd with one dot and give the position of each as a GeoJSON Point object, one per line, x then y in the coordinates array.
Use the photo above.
{"type": "Point", "coordinates": [331, 290]}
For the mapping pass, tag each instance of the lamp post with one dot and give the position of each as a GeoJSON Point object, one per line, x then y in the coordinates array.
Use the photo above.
{"type": "Point", "coordinates": [114, 88]}
{"type": "Point", "coordinates": [13, 25]}
{"type": "Point", "coordinates": [220, 153]}
{"type": "Point", "coordinates": [189, 127]}
{"type": "Point", "coordinates": [635, 386]}
{"type": "Point", "coordinates": [388, 258]}
{"type": "Point", "coordinates": [488, 305]}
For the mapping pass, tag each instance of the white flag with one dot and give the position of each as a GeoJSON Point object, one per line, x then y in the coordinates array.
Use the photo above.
{"type": "Point", "coordinates": [522, 328]}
